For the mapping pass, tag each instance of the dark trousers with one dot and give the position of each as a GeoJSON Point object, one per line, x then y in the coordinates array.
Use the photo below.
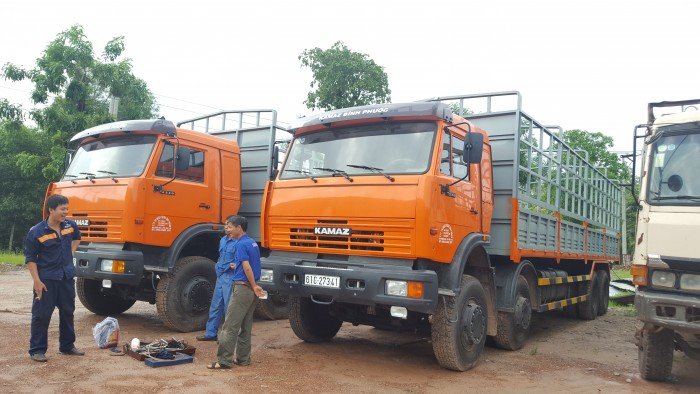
{"type": "Point", "coordinates": [61, 294]}
{"type": "Point", "coordinates": [238, 326]}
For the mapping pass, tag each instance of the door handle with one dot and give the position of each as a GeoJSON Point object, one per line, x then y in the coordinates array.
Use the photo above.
{"type": "Point", "coordinates": [204, 205]}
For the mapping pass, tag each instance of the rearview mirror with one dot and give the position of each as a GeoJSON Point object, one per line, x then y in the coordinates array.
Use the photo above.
{"type": "Point", "coordinates": [274, 162]}
{"type": "Point", "coordinates": [473, 147]}
{"type": "Point", "coordinates": [182, 161]}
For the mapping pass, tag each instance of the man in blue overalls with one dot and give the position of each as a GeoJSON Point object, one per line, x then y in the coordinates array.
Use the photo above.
{"type": "Point", "coordinates": [224, 283]}
{"type": "Point", "coordinates": [48, 252]}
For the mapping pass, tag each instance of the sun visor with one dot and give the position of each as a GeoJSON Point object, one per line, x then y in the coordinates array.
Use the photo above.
{"type": "Point", "coordinates": [157, 126]}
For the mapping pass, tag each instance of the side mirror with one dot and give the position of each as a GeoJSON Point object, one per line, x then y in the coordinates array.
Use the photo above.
{"type": "Point", "coordinates": [182, 161]}
{"type": "Point", "coordinates": [473, 148]}
{"type": "Point", "coordinates": [274, 162]}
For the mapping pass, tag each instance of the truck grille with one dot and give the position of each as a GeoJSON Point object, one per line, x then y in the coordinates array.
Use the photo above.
{"type": "Point", "coordinates": [388, 237]}
{"type": "Point", "coordinates": [101, 227]}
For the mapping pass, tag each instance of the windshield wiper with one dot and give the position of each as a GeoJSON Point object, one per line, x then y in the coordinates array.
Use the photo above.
{"type": "Point", "coordinates": [72, 176]}
{"type": "Point", "coordinates": [680, 197]}
{"type": "Point", "coordinates": [110, 173]}
{"type": "Point", "coordinates": [89, 176]}
{"type": "Point", "coordinates": [335, 172]}
{"type": "Point", "coordinates": [373, 169]}
{"type": "Point", "coordinates": [305, 173]}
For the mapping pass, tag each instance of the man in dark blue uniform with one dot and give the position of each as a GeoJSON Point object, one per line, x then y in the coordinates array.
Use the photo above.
{"type": "Point", "coordinates": [237, 328]}
{"type": "Point", "coordinates": [224, 283]}
{"type": "Point", "coordinates": [48, 252]}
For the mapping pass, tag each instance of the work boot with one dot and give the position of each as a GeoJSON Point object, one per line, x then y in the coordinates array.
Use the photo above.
{"type": "Point", "coordinates": [39, 357]}
{"type": "Point", "coordinates": [206, 338]}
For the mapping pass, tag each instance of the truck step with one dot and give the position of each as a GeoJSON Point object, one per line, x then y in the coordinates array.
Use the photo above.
{"type": "Point", "coordinates": [561, 304]}
{"type": "Point", "coordinates": [561, 279]}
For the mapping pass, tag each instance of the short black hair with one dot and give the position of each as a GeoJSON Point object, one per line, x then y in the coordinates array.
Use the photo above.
{"type": "Point", "coordinates": [55, 200]}
{"type": "Point", "coordinates": [238, 220]}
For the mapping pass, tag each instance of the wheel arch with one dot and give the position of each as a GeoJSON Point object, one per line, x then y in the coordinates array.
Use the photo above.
{"type": "Point", "coordinates": [198, 240]}
{"type": "Point", "coordinates": [507, 274]}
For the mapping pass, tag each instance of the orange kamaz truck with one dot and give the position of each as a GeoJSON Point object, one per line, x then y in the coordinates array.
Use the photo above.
{"type": "Point", "coordinates": [457, 217]}
{"type": "Point", "coordinates": [150, 199]}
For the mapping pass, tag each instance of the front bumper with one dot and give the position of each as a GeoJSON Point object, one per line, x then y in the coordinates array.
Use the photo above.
{"type": "Point", "coordinates": [88, 263]}
{"type": "Point", "coordinates": [679, 312]}
{"type": "Point", "coordinates": [359, 284]}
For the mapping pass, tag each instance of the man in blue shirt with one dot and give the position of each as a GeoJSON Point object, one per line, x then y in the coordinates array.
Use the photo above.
{"type": "Point", "coordinates": [224, 283]}
{"type": "Point", "coordinates": [237, 328]}
{"type": "Point", "coordinates": [48, 253]}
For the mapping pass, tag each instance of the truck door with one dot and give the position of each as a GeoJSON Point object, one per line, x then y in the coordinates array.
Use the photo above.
{"type": "Point", "coordinates": [191, 198]}
{"type": "Point", "coordinates": [458, 213]}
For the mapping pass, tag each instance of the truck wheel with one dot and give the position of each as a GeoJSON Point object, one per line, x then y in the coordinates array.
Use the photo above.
{"type": "Point", "coordinates": [656, 354]}
{"type": "Point", "coordinates": [98, 302]}
{"type": "Point", "coordinates": [604, 292]}
{"type": "Point", "coordinates": [513, 328]}
{"type": "Point", "coordinates": [459, 326]}
{"type": "Point", "coordinates": [184, 295]}
{"type": "Point", "coordinates": [312, 322]}
{"type": "Point", "coordinates": [588, 310]}
{"type": "Point", "coordinates": [273, 308]}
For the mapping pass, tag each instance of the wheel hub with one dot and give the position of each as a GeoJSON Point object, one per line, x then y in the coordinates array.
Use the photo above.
{"type": "Point", "coordinates": [473, 324]}
{"type": "Point", "coordinates": [197, 294]}
{"type": "Point", "coordinates": [523, 312]}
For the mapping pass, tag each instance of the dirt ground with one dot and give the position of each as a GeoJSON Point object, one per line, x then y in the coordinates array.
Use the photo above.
{"type": "Point", "coordinates": [561, 355]}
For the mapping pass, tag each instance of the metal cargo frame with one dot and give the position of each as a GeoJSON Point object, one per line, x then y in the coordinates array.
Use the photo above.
{"type": "Point", "coordinates": [565, 207]}
{"type": "Point", "coordinates": [256, 132]}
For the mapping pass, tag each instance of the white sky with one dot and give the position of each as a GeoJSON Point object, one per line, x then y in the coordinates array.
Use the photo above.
{"type": "Point", "coordinates": [590, 65]}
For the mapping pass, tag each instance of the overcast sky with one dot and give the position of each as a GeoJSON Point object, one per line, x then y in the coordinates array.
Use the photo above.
{"type": "Point", "coordinates": [591, 65]}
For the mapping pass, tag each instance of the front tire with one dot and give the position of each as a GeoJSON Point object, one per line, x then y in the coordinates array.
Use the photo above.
{"type": "Point", "coordinates": [656, 354]}
{"type": "Point", "coordinates": [459, 326]}
{"type": "Point", "coordinates": [184, 296]}
{"type": "Point", "coordinates": [312, 322]}
{"type": "Point", "coordinates": [513, 328]}
{"type": "Point", "coordinates": [99, 302]}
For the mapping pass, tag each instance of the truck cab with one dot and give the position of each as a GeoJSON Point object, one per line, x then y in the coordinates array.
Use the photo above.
{"type": "Point", "coordinates": [666, 262]}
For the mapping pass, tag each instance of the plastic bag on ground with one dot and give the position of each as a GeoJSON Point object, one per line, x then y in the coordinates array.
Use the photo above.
{"type": "Point", "coordinates": [106, 333]}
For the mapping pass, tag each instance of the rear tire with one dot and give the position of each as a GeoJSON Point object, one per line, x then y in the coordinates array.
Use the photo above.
{"type": "Point", "coordinates": [588, 310]}
{"type": "Point", "coordinates": [312, 322]}
{"type": "Point", "coordinates": [184, 296]}
{"type": "Point", "coordinates": [604, 292]}
{"type": "Point", "coordinates": [656, 354]}
{"type": "Point", "coordinates": [273, 308]}
{"type": "Point", "coordinates": [459, 326]}
{"type": "Point", "coordinates": [513, 328]}
{"type": "Point", "coordinates": [97, 301]}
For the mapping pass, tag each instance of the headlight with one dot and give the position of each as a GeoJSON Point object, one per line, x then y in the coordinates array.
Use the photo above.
{"type": "Point", "coordinates": [396, 288]}
{"type": "Point", "coordinates": [106, 265]}
{"type": "Point", "coordinates": [690, 282]}
{"type": "Point", "coordinates": [266, 276]}
{"type": "Point", "coordinates": [663, 279]}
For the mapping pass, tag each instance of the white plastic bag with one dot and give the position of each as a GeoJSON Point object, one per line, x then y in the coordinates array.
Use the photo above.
{"type": "Point", "coordinates": [106, 333]}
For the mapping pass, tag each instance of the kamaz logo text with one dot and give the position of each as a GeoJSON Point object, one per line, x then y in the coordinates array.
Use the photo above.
{"type": "Point", "coordinates": [82, 222]}
{"type": "Point", "coordinates": [333, 231]}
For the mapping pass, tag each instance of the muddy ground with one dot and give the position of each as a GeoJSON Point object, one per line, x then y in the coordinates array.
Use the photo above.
{"type": "Point", "coordinates": [561, 355]}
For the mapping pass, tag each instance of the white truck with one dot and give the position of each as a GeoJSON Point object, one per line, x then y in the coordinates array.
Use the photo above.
{"type": "Point", "coordinates": [666, 263]}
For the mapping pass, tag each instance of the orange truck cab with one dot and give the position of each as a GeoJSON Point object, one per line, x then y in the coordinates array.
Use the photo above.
{"type": "Point", "coordinates": [150, 199]}
{"type": "Point", "coordinates": [412, 217]}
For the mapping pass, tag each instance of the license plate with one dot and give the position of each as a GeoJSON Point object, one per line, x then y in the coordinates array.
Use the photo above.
{"type": "Point", "coordinates": [322, 281]}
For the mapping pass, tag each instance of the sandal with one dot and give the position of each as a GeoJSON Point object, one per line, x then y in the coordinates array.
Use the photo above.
{"type": "Point", "coordinates": [216, 365]}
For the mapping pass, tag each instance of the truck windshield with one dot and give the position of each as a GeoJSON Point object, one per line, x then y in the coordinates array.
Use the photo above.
{"type": "Point", "coordinates": [389, 148]}
{"type": "Point", "coordinates": [123, 156]}
{"type": "Point", "coordinates": [674, 178]}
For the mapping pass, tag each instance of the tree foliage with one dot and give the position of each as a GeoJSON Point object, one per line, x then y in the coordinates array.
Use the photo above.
{"type": "Point", "coordinates": [343, 78]}
{"type": "Point", "coordinates": [72, 88]}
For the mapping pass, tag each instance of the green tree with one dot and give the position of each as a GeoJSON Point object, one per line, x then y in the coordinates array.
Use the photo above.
{"type": "Point", "coordinates": [343, 78]}
{"type": "Point", "coordinates": [80, 86]}
{"type": "Point", "coordinates": [23, 185]}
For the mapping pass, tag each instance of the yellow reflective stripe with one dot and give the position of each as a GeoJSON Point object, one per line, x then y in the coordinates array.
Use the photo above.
{"type": "Point", "coordinates": [47, 237]}
{"type": "Point", "coordinates": [561, 280]}
{"type": "Point", "coordinates": [67, 231]}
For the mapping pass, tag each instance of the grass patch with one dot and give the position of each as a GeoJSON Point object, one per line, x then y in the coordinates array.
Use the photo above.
{"type": "Point", "coordinates": [619, 272]}
{"type": "Point", "coordinates": [11, 257]}
{"type": "Point", "coordinates": [622, 309]}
